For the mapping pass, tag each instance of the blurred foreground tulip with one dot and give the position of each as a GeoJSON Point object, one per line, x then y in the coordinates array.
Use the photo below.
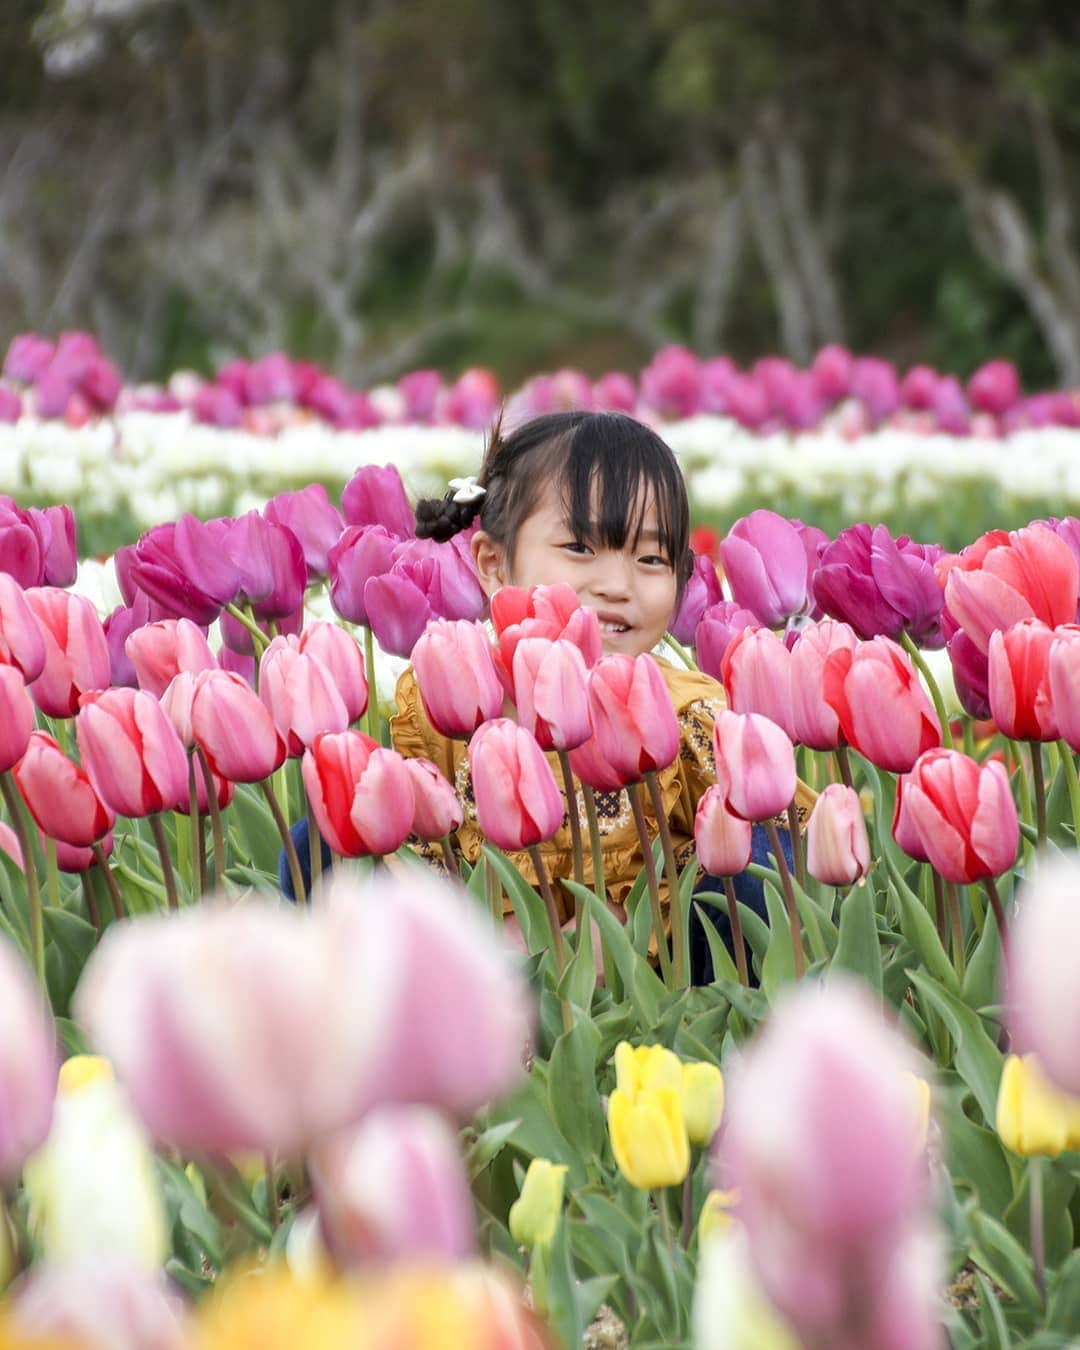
{"type": "Point", "coordinates": [59, 794]}
{"type": "Point", "coordinates": [100, 1304]}
{"type": "Point", "coordinates": [28, 1064]}
{"type": "Point", "coordinates": [518, 802]}
{"type": "Point", "coordinates": [131, 752]}
{"type": "Point", "coordinates": [361, 794]}
{"type": "Point", "coordinates": [755, 765]}
{"type": "Point", "coordinates": [837, 845]}
{"type": "Point", "coordinates": [731, 1311]}
{"type": "Point", "coordinates": [395, 1189]}
{"type": "Point", "coordinates": [76, 653]}
{"type": "Point", "coordinates": [883, 709]}
{"type": "Point", "coordinates": [535, 1214]}
{"type": "Point", "coordinates": [1033, 1118]}
{"type": "Point", "coordinates": [964, 815]}
{"type": "Point", "coordinates": [455, 673]}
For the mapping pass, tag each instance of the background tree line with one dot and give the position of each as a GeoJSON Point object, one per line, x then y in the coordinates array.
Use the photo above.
{"type": "Point", "coordinates": [380, 184]}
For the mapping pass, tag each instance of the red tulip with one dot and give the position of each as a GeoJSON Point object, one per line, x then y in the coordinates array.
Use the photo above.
{"type": "Point", "coordinates": [76, 652]}
{"type": "Point", "coordinates": [455, 673]}
{"type": "Point", "coordinates": [21, 642]}
{"type": "Point", "coordinates": [723, 840]}
{"type": "Point", "coordinates": [233, 728]}
{"type": "Point", "coordinates": [159, 651]}
{"type": "Point", "coordinates": [131, 752]}
{"type": "Point", "coordinates": [542, 611]}
{"type": "Point", "coordinates": [551, 694]}
{"type": "Point", "coordinates": [632, 716]}
{"type": "Point", "coordinates": [837, 846]}
{"type": "Point", "coordinates": [361, 794]}
{"type": "Point", "coordinates": [883, 710]}
{"type": "Point", "coordinates": [756, 674]}
{"type": "Point", "coordinates": [437, 809]}
{"type": "Point", "coordinates": [341, 655]}
{"type": "Point", "coordinates": [814, 722]}
{"type": "Point", "coordinates": [1064, 675]}
{"type": "Point", "coordinates": [300, 693]}
{"type": "Point", "coordinates": [59, 794]}
{"type": "Point", "coordinates": [964, 814]}
{"type": "Point", "coordinates": [755, 765]}
{"type": "Point", "coordinates": [518, 802]}
{"type": "Point", "coordinates": [1019, 681]}
{"type": "Point", "coordinates": [16, 717]}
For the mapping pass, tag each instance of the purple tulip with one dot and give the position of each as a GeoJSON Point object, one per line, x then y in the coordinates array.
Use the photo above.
{"type": "Point", "coordinates": [874, 384]}
{"type": "Point", "coordinates": [330, 399]}
{"type": "Point", "coordinates": [397, 611]}
{"type": "Point", "coordinates": [702, 591]}
{"type": "Point", "coordinates": [237, 664]}
{"type": "Point", "coordinates": [473, 399]}
{"type": "Point", "coordinates": [800, 402]}
{"type": "Point", "coordinates": [832, 369]}
{"type": "Point", "coordinates": [376, 496]}
{"type": "Point", "coordinates": [970, 674]}
{"type": "Point", "coordinates": [202, 549]}
{"type": "Point", "coordinates": [950, 407]}
{"type": "Point", "coordinates": [11, 405]}
{"type": "Point", "coordinates": [420, 390]}
{"type": "Point", "coordinates": [715, 630]}
{"type": "Point", "coordinates": [361, 553]}
{"type": "Point", "coordinates": [55, 529]}
{"type": "Point", "coordinates": [446, 574]}
{"type": "Point", "coordinates": [119, 626]}
{"type": "Point", "coordinates": [995, 387]}
{"type": "Point", "coordinates": [101, 384]}
{"type": "Point", "coordinates": [315, 521]}
{"type": "Point", "coordinates": [615, 391]}
{"type": "Point", "coordinates": [270, 380]}
{"type": "Point", "coordinates": [28, 357]}
{"type": "Point", "coordinates": [671, 383]}
{"type": "Point", "coordinates": [766, 565]}
{"type": "Point", "coordinates": [158, 565]}
{"type": "Point", "coordinates": [270, 561]}
{"type": "Point", "coordinates": [881, 586]}
{"type": "Point", "coordinates": [918, 388]}
{"type": "Point", "coordinates": [217, 406]}
{"type": "Point", "coordinates": [747, 402]}
{"type": "Point", "coordinates": [20, 546]}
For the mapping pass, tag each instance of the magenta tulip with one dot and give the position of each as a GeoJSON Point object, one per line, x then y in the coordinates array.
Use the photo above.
{"type": "Point", "coordinates": [881, 585]}
{"type": "Point", "coordinates": [437, 809]}
{"type": "Point", "coordinates": [632, 716]}
{"type": "Point", "coordinates": [300, 693]}
{"type": "Point", "coordinates": [313, 519]}
{"type": "Point", "coordinates": [397, 611]}
{"type": "Point", "coordinates": [341, 655]}
{"type": "Point", "coordinates": [159, 651]}
{"type": "Point", "coordinates": [131, 752]}
{"type": "Point", "coordinates": [59, 794]}
{"type": "Point", "coordinates": [360, 554]}
{"type": "Point", "coordinates": [837, 845]}
{"type": "Point", "coordinates": [766, 565]}
{"type": "Point", "coordinates": [701, 592]}
{"type": "Point", "coordinates": [551, 692]}
{"type": "Point", "coordinates": [376, 496]}
{"type": "Point", "coordinates": [160, 564]}
{"type": "Point", "coordinates": [233, 728]}
{"type": "Point", "coordinates": [20, 546]}
{"type": "Point", "coordinates": [76, 653]}
{"type": "Point", "coordinates": [755, 765]}
{"type": "Point", "coordinates": [995, 387]}
{"type": "Point", "coordinates": [361, 794]}
{"type": "Point", "coordinates": [445, 573]}
{"type": "Point", "coordinates": [722, 839]}
{"type": "Point", "coordinates": [271, 566]}
{"type": "Point", "coordinates": [716, 628]}
{"type": "Point", "coordinates": [518, 802]}
{"type": "Point", "coordinates": [456, 676]}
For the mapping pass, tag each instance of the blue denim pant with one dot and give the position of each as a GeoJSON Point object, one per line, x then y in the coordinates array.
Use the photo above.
{"type": "Point", "coordinates": [748, 890]}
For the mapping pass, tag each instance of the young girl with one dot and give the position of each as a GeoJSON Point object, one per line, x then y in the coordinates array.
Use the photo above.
{"type": "Point", "coordinates": [596, 500]}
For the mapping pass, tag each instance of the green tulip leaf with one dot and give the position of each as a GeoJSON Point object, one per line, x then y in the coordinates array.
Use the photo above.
{"type": "Point", "coordinates": [998, 1253]}
{"type": "Point", "coordinates": [1063, 1313]}
{"type": "Point", "coordinates": [573, 1100]}
{"type": "Point", "coordinates": [859, 949]}
{"type": "Point", "coordinates": [778, 967]}
{"type": "Point", "coordinates": [995, 1331]}
{"type": "Point", "coordinates": [579, 978]}
{"type": "Point", "coordinates": [981, 977]}
{"type": "Point", "coordinates": [755, 929]}
{"type": "Point", "coordinates": [918, 928]}
{"type": "Point", "coordinates": [723, 965]}
{"type": "Point", "coordinates": [528, 907]}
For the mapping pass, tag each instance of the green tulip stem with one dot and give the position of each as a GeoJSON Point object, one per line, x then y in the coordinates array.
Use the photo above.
{"type": "Point", "coordinates": [1068, 767]}
{"type": "Point", "coordinates": [939, 907]}
{"type": "Point", "coordinates": [633, 791]}
{"type": "Point", "coordinates": [572, 815]}
{"type": "Point", "coordinates": [969, 738]}
{"type": "Point", "coordinates": [1038, 779]}
{"type": "Point", "coordinates": [157, 829]}
{"type": "Point", "coordinates": [286, 841]}
{"type": "Point", "coordinates": [789, 897]}
{"type": "Point", "coordinates": [599, 882]}
{"type": "Point", "coordinates": [259, 639]}
{"type": "Point", "coordinates": [688, 1205]}
{"type": "Point", "coordinates": [52, 872]}
{"type": "Point", "coordinates": [999, 909]}
{"type": "Point", "coordinates": [843, 763]}
{"type": "Point", "coordinates": [449, 854]}
{"type": "Point", "coordinates": [797, 850]}
{"type": "Point", "coordinates": [737, 942]}
{"type": "Point", "coordinates": [371, 713]}
{"type": "Point", "coordinates": [957, 922]}
{"type": "Point", "coordinates": [671, 873]}
{"type": "Point", "coordinates": [558, 947]}
{"type": "Point", "coordinates": [682, 652]}
{"type": "Point", "coordinates": [198, 841]}
{"type": "Point", "coordinates": [90, 900]}
{"type": "Point", "coordinates": [932, 685]}
{"type": "Point", "coordinates": [13, 801]}
{"type": "Point", "coordinates": [117, 899]}
{"type": "Point", "coordinates": [493, 893]}
{"type": "Point", "coordinates": [215, 820]}
{"type": "Point", "coordinates": [1038, 1226]}
{"type": "Point", "coordinates": [273, 1206]}
{"type": "Point", "coordinates": [665, 1220]}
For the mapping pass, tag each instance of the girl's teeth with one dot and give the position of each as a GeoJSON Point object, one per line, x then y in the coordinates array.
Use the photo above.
{"type": "Point", "coordinates": [613, 627]}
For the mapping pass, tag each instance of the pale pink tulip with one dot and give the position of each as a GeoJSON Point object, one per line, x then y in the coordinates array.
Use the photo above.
{"type": "Point", "coordinates": [16, 717]}
{"type": "Point", "coordinates": [756, 674]}
{"type": "Point", "coordinates": [1064, 676]}
{"type": "Point", "coordinates": [551, 694]}
{"type": "Point", "coordinates": [234, 729]}
{"type": "Point", "coordinates": [159, 651]}
{"type": "Point", "coordinates": [340, 653]}
{"type": "Point", "coordinates": [723, 840]}
{"type": "Point", "coordinates": [837, 845]}
{"type": "Point", "coordinates": [518, 802]}
{"type": "Point", "coordinates": [755, 765]}
{"type": "Point", "coordinates": [455, 673]}
{"type": "Point", "coordinates": [632, 716]}
{"type": "Point", "coordinates": [883, 709]}
{"type": "Point", "coordinates": [300, 693]}
{"type": "Point", "coordinates": [814, 722]}
{"type": "Point", "coordinates": [437, 808]}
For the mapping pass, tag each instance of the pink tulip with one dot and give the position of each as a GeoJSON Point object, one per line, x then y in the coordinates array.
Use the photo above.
{"type": "Point", "coordinates": [395, 1189]}
{"type": "Point", "coordinates": [55, 528]}
{"type": "Point", "coordinates": [131, 753]}
{"type": "Point", "coordinates": [201, 550]}
{"type": "Point", "coordinates": [28, 357]}
{"type": "Point", "coordinates": [360, 554]}
{"type": "Point", "coordinates": [397, 611]}
{"type": "Point", "coordinates": [455, 673]}
{"type": "Point", "coordinates": [97, 1304]}
{"type": "Point", "coordinates": [159, 651]}
{"type": "Point", "coordinates": [904, 829]}
{"type": "Point", "coordinates": [341, 655]}
{"type": "Point", "coordinates": [437, 808]}
{"type": "Point", "coordinates": [76, 653]}
{"type": "Point", "coordinates": [716, 629]}
{"type": "Point", "coordinates": [918, 387]}
{"type": "Point", "coordinates": [176, 704]}
{"type": "Point", "coordinates": [756, 674]}
{"type": "Point", "coordinates": [28, 1064]}
{"type": "Point", "coordinates": [671, 382]}
{"type": "Point", "coordinates": [420, 389]}
{"type": "Point", "coordinates": [10, 846]}
{"type": "Point", "coordinates": [755, 765]}
{"type": "Point", "coordinates": [361, 794]}
{"type": "Point", "coordinates": [632, 716]}
{"type": "Point", "coordinates": [589, 763]}
{"type": "Point", "coordinates": [766, 566]}
{"type": "Point", "coordinates": [1042, 996]}
{"type": "Point", "coordinates": [21, 642]}
{"type": "Point", "coordinates": [234, 729]}
{"type": "Point", "coordinates": [518, 802]}
{"type": "Point", "coordinates": [837, 846]}
{"type": "Point", "coordinates": [814, 722]}
{"type": "Point", "coordinates": [995, 387]}
{"type": "Point", "coordinates": [1019, 681]}
{"type": "Point", "coordinates": [615, 391]}
{"type": "Point", "coordinates": [1064, 677]}
{"type": "Point", "coordinates": [550, 691]}
{"type": "Point", "coordinates": [875, 385]}
{"type": "Point", "coordinates": [217, 407]}
{"type": "Point", "coordinates": [541, 611]}
{"type": "Point", "coordinates": [832, 369]}
{"type": "Point", "coordinates": [445, 573]}
{"type": "Point", "coordinates": [376, 496]}
{"type": "Point", "coordinates": [964, 815]}
{"type": "Point", "coordinates": [883, 710]}
{"type": "Point", "coordinates": [59, 794]}
{"type": "Point", "coordinates": [20, 546]}
{"type": "Point", "coordinates": [318, 524]}
{"type": "Point", "coordinates": [75, 860]}
{"type": "Point", "coordinates": [822, 1143]}
{"type": "Point", "coordinates": [472, 400]}
{"type": "Point", "coordinates": [722, 839]}
{"type": "Point", "coordinates": [300, 693]}
{"type": "Point", "coordinates": [16, 717]}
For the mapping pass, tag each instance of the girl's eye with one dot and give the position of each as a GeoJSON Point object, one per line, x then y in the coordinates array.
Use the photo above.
{"type": "Point", "coordinates": [577, 546]}
{"type": "Point", "coordinates": [653, 560]}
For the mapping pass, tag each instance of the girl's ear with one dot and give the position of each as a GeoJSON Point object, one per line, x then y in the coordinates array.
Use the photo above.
{"type": "Point", "coordinates": [490, 559]}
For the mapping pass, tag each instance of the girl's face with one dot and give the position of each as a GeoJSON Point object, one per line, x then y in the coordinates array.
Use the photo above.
{"type": "Point", "coordinates": [632, 588]}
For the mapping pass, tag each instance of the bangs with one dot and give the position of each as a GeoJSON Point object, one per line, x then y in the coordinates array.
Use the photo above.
{"type": "Point", "coordinates": [615, 470]}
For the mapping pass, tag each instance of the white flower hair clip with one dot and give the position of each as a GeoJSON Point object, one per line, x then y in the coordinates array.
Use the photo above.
{"type": "Point", "coordinates": [468, 489]}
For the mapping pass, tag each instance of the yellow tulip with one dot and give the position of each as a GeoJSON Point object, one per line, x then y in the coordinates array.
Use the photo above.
{"type": "Point", "coordinates": [716, 1216]}
{"type": "Point", "coordinates": [646, 1066]}
{"type": "Point", "coordinates": [1033, 1118]}
{"type": "Point", "coordinates": [81, 1070]}
{"type": "Point", "coordinates": [703, 1100]}
{"type": "Point", "coordinates": [648, 1136]}
{"type": "Point", "coordinates": [534, 1215]}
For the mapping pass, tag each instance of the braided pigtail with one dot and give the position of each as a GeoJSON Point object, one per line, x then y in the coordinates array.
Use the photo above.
{"type": "Point", "coordinates": [440, 518]}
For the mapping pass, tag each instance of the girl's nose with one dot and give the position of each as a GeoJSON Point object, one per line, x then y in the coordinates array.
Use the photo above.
{"type": "Point", "coordinates": [610, 577]}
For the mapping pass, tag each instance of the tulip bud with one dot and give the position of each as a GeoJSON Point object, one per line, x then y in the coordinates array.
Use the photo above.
{"type": "Point", "coordinates": [964, 815]}
{"type": "Point", "coordinates": [456, 676]}
{"type": "Point", "coordinates": [1018, 681]}
{"type": "Point", "coordinates": [648, 1137]}
{"type": "Point", "coordinates": [534, 1215]}
{"type": "Point", "coordinates": [437, 810]}
{"type": "Point", "coordinates": [361, 794]}
{"type": "Point", "coordinates": [518, 803]}
{"type": "Point", "coordinates": [300, 693]}
{"type": "Point", "coordinates": [21, 641]}
{"type": "Point", "coordinates": [341, 655]}
{"type": "Point", "coordinates": [756, 674]}
{"type": "Point", "coordinates": [755, 765]}
{"type": "Point", "coordinates": [723, 841]}
{"type": "Point", "coordinates": [59, 794]}
{"type": "Point", "coordinates": [703, 1101]}
{"type": "Point", "coordinates": [767, 567]}
{"type": "Point", "coordinates": [632, 716]}
{"type": "Point", "coordinates": [1033, 1118]}
{"type": "Point", "coordinates": [883, 709]}
{"type": "Point", "coordinates": [837, 846]}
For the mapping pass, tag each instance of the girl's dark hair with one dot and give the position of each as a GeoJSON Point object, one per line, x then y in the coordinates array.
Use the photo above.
{"type": "Point", "coordinates": [608, 468]}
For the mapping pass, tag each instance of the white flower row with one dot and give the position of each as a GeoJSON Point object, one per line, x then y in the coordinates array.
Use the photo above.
{"type": "Point", "coordinates": [158, 465]}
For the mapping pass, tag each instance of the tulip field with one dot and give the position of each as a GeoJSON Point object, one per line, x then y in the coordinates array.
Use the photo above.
{"type": "Point", "coordinates": [460, 1089]}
